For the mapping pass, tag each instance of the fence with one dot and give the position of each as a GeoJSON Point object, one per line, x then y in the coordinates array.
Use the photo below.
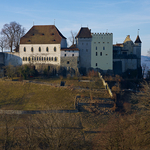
{"type": "Point", "coordinates": [105, 84]}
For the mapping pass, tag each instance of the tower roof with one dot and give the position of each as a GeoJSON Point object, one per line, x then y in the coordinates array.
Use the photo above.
{"type": "Point", "coordinates": [42, 34]}
{"type": "Point", "coordinates": [138, 40]}
{"type": "Point", "coordinates": [84, 33]}
{"type": "Point", "coordinates": [127, 39]}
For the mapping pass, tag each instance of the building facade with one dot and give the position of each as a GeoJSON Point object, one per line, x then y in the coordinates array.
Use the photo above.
{"type": "Point", "coordinates": [102, 51]}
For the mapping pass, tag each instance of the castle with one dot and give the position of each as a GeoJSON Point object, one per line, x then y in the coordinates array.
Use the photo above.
{"type": "Point", "coordinates": [45, 44]}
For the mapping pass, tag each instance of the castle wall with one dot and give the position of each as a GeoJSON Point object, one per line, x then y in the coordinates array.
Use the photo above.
{"type": "Point", "coordinates": [71, 62]}
{"type": "Point", "coordinates": [12, 58]}
{"type": "Point", "coordinates": [1, 58]}
{"type": "Point", "coordinates": [127, 64]}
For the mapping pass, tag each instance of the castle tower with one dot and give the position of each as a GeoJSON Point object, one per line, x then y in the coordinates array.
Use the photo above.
{"type": "Point", "coordinates": [137, 49]}
{"type": "Point", "coordinates": [83, 43]}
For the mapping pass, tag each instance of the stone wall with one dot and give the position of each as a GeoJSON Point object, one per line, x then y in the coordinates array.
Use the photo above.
{"type": "Point", "coordinates": [71, 62]}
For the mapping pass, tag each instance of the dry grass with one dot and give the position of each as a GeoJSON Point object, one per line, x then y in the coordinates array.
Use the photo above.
{"type": "Point", "coordinates": [27, 96]}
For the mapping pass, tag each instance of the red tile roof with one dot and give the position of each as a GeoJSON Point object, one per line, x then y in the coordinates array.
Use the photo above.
{"type": "Point", "coordinates": [42, 34]}
{"type": "Point", "coordinates": [84, 33]}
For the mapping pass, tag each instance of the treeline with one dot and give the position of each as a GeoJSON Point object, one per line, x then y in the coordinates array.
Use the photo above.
{"type": "Point", "coordinates": [42, 131]}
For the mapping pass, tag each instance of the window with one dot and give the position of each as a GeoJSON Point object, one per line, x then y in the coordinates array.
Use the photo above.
{"type": "Point", "coordinates": [65, 55]}
{"type": "Point", "coordinates": [52, 58]}
{"type": "Point", "coordinates": [107, 42]}
{"type": "Point", "coordinates": [86, 50]}
{"type": "Point", "coordinates": [96, 64]}
{"type": "Point", "coordinates": [103, 42]}
{"type": "Point", "coordinates": [47, 58]}
{"type": "Point", "coordinates": [28, 58]}
{"type": "Point", "coordinates": [96, 53]}
{"type": "Point", "coordinates": [72, 54]}
{"type": "Point", "coordinates": [96, 48]}
{"type": "Point", "coordinates": [54, 49]}
{"type": "Point", "coordinates": [125, 53]}
{"type": "Point", "coordinates": [103, 48]}
{"type": "Point", "coordinates": [23, 58]}
{"type": "Point", "coordinates": [31, 49]}
{"type": "Point", "coordinates": [106, 54]}
{"type": "Point", "coordinates": [67, 62]}
{"type": "Point", "coordinates": [94, 42]}
{"type": "Point", "coordinates": [47, 49]}
{"type": "Point", "coordinates": [55, 58]}
{"type": "Point", "coordinates": [37, 58]}
{"type": "Point", "coordinates": [42, 58]}
{"type": "Point", "coordinates": [24, 49]}
{"type": "Point", "coordinates": [39, 49]}
{"type": "Point", "coordinates": [34, 58]}
{"type": "Point", "coordinates": [99, 42]}
{"type": "Point", "coordinates": [100, 53]}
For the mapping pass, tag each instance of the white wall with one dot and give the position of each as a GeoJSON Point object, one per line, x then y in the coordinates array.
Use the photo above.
{"type": "Point", "coordinates": [104, 61]}
{"type": "Point", "coordinates": [51, 53]}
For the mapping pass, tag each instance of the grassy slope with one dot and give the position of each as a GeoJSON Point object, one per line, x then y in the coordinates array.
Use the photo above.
{"type": "Point", "coordinates": [28, 96]}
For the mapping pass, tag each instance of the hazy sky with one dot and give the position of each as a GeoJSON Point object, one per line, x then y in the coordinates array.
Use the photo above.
{"type": "Point", "coordinates": [120, 17]}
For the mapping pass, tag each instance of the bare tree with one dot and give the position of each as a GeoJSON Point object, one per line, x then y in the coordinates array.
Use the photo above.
{"type": "Point", "coordinates": [72, 37]}
{"type": "Point", "coordinates": [13, 32]}
{"type": "Point", "coordinates": [148, 52]}
{"type": "Point", "coordinates": [2, 43]}
{"type": "Point", "coordinates": [144, 69]}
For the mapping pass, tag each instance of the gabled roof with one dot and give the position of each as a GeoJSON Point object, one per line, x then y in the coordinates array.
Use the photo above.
{"type": "Point", "coordinates": [84, 33]}
{"type": "Point", "coordinates": [42, 34]}
{"type": "Point", "coordinates": [138, 40]}
{"type": "Point", "coordinates": [127, 39]}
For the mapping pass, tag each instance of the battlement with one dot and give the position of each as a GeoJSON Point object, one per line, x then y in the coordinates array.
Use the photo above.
{"type": "Point", "coordinates": [101, 34]}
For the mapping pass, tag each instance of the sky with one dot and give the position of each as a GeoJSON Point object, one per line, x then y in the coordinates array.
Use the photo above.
{"type": "Point", "coordinates": [120, 17]}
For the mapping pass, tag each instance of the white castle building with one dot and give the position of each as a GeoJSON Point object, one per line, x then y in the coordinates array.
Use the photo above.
{"type": "Point", "coordinates": [44, 44]}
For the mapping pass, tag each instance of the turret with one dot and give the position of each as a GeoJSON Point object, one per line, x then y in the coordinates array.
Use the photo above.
{"type": "Point", "coordinates": [137, 49]}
